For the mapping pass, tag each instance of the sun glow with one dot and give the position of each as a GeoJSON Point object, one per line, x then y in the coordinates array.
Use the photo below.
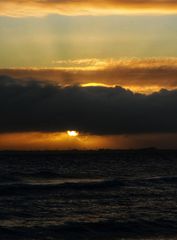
{"type": "Point", "coordinates": [72, 133]}
{"type": "Point", "coordinates": [98, 85]}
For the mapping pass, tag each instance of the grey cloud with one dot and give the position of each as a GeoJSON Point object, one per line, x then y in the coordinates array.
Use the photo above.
{"type": "Point", "coordinates": [38, 106]}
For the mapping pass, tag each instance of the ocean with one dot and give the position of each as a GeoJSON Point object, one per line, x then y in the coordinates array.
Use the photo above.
{"type": "Point", "coordinates": [96, 195]}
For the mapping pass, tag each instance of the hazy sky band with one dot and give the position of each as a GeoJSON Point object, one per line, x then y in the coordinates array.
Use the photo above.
{"type": "Point", "coordinates": [43, 42]}
{"type": "Point", "coordinates": [138, 75]}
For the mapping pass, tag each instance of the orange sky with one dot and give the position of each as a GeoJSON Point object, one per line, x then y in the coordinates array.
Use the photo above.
{"type": "Point", "coordinates": [58, 141]}
{"type": "Point", "coordinates": [115, 45]}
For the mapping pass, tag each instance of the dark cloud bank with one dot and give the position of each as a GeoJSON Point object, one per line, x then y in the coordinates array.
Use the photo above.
{"type": "Point", "coordinates": [36, 106]}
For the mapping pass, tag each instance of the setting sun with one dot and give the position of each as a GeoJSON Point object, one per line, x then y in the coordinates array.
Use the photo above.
{"type": "Point", "coordinates": [72, 133]}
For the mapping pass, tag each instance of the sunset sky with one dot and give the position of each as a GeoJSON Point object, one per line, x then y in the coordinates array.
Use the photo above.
{"type": "Point", "coordinates": [105, 69]}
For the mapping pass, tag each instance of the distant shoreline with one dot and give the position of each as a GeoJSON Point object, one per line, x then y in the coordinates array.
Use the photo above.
{"type": "Point", "coordinates": [90, 150]}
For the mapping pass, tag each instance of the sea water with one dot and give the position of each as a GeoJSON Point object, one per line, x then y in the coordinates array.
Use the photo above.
{"type": "Point", "coordinates": [88, 195]}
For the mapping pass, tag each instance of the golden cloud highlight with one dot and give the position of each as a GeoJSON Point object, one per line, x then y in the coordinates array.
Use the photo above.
{"type": "Point", "coordinates": [22, 8]}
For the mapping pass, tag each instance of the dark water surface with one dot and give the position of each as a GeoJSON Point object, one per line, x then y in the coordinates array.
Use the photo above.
{"type": "Point", "coordinates": [88, 195]}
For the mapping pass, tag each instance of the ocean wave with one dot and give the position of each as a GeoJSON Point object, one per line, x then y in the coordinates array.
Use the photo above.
{"type": "Point", "coordinates": [9, 179]}
{"type": "Point", "coordinates": [167, 179]}
{"type": "Point", "coordinates": [32, 183]}
{"type": "Point", "coordinates": [160, 180]}
{"type": "Point", "coordinates": [60, 184]}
